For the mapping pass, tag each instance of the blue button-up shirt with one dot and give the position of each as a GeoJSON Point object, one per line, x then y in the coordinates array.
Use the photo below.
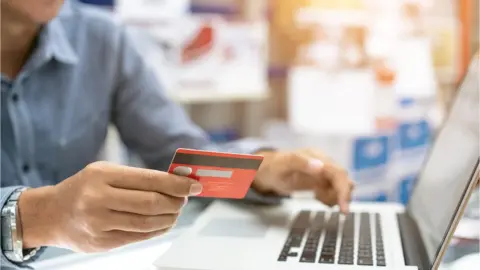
{"type": "Point", "coordinates": [85, 74]}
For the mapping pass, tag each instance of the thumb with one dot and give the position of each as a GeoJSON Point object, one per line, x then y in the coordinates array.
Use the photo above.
{"type": "Point", "coordinates": [299, 163]}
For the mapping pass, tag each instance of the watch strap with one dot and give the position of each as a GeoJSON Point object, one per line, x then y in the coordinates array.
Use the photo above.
{"type": "Point", "coordinates": [12, 236]}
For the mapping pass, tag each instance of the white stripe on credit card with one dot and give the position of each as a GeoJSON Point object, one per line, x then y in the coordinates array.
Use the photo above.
{"type": "Point", "coordinates": [214, 173]}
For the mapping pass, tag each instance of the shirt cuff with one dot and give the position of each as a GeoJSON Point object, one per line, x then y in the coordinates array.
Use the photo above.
{"type": "Point", "coordinates": [259, 198]}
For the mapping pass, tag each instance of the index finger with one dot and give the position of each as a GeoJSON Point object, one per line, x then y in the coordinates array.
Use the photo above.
{"type": "Point", "coordinates": [153, 180]}
{"type": "Point", "coordinates": [341, 183]}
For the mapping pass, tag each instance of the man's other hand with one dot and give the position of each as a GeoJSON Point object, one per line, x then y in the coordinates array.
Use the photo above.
{"type": "Point", "coordinates": [285, 172]}
{"type": "Point", "coordinates": [102, 207]}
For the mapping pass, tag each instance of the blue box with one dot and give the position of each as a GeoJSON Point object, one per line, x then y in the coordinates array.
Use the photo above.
{"type": "Point", "coordinates": [370, 152]}
{"type": "Point", "coordinates": [413, 135]}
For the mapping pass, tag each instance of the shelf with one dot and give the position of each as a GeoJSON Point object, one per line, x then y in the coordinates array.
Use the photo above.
{"type": "Point", "coordinates": [198, 96]}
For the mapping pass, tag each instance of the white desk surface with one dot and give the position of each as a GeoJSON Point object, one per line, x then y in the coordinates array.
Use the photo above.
{"type": "Point", "coordinates": [139, 256]}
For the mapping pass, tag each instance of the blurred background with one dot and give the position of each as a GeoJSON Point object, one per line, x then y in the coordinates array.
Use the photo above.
{"type": "Point", "coordinates": [366, 81]}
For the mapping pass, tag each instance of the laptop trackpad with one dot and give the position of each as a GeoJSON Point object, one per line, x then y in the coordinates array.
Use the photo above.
{"type": "Point", "coordinates": [224, 227]}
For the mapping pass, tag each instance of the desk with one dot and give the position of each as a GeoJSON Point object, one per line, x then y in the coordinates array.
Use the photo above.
{"type": "Point", "coordinates": [140, 256]}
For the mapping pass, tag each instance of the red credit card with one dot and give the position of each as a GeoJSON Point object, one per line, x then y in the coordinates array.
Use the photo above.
{"type": "Point", "coordinates": [223, 175]}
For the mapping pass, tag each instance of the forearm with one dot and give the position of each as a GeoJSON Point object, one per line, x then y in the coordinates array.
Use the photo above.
{"type": "Point", "coordinates": [37, 218]}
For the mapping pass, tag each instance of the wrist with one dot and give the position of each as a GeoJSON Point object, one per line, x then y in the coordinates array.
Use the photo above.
{"type": "Point", "coordinates": [261, 183]}
{"type": "Point", "coordinates": [36, 217]}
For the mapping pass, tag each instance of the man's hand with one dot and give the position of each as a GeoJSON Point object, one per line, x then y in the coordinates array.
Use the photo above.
{"type": "Point", "coordinates": [104, 206]}
{"type": "Point", "coordinates": [285, 172]}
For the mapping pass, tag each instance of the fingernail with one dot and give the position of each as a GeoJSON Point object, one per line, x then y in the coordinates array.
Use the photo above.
{"type": "Point", "coordinates": [195, 189]}
{"type": "Point", "coordinates": [186, 201]}
{"type": "Point", "coordinates": [316, 164]}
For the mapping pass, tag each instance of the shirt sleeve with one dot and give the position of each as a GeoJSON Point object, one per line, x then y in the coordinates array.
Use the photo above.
{"type": "Point", "coordinates": [5, 263]}
{"type": "Point", "coordinates": [152, 125]}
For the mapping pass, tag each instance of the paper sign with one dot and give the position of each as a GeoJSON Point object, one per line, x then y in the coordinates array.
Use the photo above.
{"type": "Point", "coordinates": [339, 102]}
{"type": "Point", "coordinates": [415, 70]}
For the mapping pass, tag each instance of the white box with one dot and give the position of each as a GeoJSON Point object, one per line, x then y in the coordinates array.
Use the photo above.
{"type": "Point", "coordinates": [151, 10]}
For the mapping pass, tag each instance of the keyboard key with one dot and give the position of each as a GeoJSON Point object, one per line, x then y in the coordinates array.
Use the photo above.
{"type": "Point", "coordinates": [381, 263]}
{"type": "Point", "coordinates": [308, 259]}
{"type": "Point", "coordinates": [326, 259]}
{"type": "Point", "coordinates": [364, 262]}
{"type": "Point", "coordinates": [328, 248]}
{"type": "Point", "coordinates": [365, 254]}
{"type": "Point", "coordinates": [308, 255]}
{"type": "Point", "coordinates": [345, 261]}
{"type": "Point", "coordinates": [346, 251]}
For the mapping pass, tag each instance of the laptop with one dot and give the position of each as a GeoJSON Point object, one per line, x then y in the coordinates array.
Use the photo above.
{"type": "Point", "coordinates": [303, 234]}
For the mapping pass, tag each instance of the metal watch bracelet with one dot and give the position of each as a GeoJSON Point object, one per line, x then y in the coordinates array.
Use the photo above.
{"type": "Point", "coordinates": [12, 236]}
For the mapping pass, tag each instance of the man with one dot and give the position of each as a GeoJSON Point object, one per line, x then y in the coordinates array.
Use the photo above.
{"type": "Point", "coordinates": [67, 72]}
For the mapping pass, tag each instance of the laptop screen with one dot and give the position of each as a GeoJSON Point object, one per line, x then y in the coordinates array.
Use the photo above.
{"type": "Point", "coordinates": [449, 167]}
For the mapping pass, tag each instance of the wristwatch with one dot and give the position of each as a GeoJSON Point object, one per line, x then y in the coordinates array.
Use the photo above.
{"type": "Point", "coordinates": [12, 236]}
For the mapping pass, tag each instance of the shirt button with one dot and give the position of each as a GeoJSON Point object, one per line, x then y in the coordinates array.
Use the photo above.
{"type": "Point", "coordinates": [15, 97]}
{"type": "Point", "coordinates": [26, 168]}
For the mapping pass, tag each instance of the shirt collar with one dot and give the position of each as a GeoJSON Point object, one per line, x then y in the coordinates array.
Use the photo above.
{"type": "Point", "coordinates": [53, 41]}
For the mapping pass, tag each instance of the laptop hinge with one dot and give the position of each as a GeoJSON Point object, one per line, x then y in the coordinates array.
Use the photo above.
{"type": "Point", "coordinates": [414, 249]}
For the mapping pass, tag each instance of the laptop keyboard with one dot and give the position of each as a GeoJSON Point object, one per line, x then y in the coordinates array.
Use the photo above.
{"type": "Point", "coordinates": [327, 233]}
